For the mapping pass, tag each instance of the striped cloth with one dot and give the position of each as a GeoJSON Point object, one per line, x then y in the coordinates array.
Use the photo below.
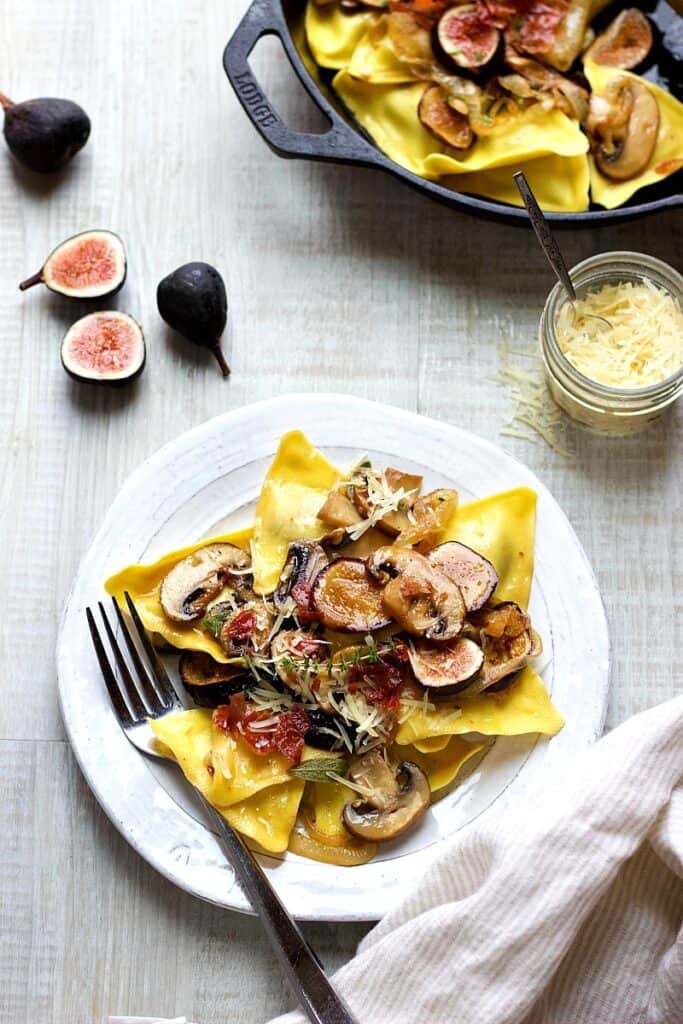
{"type": "Point", "coordinates": [569, 910]}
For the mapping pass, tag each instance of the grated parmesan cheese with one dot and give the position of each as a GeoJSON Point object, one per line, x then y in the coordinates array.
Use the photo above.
{"type": "Point", "coordinates": [641, 343]}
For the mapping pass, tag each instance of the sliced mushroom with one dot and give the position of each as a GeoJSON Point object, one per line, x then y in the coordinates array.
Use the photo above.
{"type": "Point", "coordinates": [442, 121]}
{"type": "Point", "coordinates": [417, 595]}
{"type": "Point", "coordinates": [296, 655]}
{"type": "Point", "coordinates": [304, 561]}
{"type": "Point", "coordinates": [395, 800]}
{"type": "Point", "coordinates": [622, 125]}
{"type": "Point", "coordinates": [347, 598]}
{"type": "Point", "coordinates": [188, 588]}
{"type": "Point", "coordinates": [625, 43]}
{"type": "Point", "coordinates": [339, 511]}
{"type": "Point", "coordinates": [473, 573]}
{"type": "Point", "coordinates": [246, 631]}
{"type": "Point", "coordinates": [209, 682]}
{"type": "Point", "coordinates": [446, 668]}
{"type": "Point", "coordinates": [391, 480]}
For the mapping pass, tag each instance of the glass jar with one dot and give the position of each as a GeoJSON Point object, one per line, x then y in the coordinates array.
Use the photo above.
{"type": "Point", "coordinates": [604, 409]}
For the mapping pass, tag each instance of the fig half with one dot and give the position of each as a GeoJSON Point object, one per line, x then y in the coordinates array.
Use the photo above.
{"type": "Point", "coordinates": [465, 38]}
{"type": "Point", "coordinates": [90, 265]}
{"type": "Point", "coordinates": [625, 43]}
{"type": "Point", "coordinates": [473, 573]}
{"type": "Point", "coordinates": [104, 348]}
{"type": "Point", "coordinates": [447, 668]}
{"type": "Point", "coordinates": [193, 301]}
{"type": "Point", "coordinates": [44, 134]}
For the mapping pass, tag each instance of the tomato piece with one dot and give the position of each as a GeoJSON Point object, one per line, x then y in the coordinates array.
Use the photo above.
{"type": "Point", "coordinates": [380, 683]}
{"type": "Point", "coordinates": [302, 595]}
{"type": "Point", "coordinates": [242, 626]}
{"type": "Point", "coordinates": [227, 716]}
{"type": "Point", "coordinates": [289, 733]}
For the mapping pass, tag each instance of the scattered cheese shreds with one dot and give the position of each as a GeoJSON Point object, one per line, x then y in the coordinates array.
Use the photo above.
{"type": "Point", "coordinates": [643, 345]}
{"type": "Point", "coordinates": [533, 408]}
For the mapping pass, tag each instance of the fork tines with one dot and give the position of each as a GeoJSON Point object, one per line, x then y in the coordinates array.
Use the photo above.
{"type": "Point", "coordinates": [142, 688]}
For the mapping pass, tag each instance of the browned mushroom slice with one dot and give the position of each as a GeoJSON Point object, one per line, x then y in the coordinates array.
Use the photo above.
{"type": "Point", "coordinates": [447, 668]}
{"type": "Point", "coordinates": [393, 799]}
{"type": "Point", "coordinates": [625, 43]}
{"type": "Point", "coordinates": [465, 38]}
{"type": "Point", "coordinates": [622, 125]}
{"type": "Point", "coordinates": [417, 595]}
{"type": "Point", "coordinates": [339, 511]}
{"type": "Point", "coordinates": [348, 599]}
{"type": "Point", "coordinates": [209, 682]}
{"type": "Point", "coordinates": [188, 588]}
{"type": "Point", "coordinates": [473, 573]}
{"type": "Point", "coordinates": [444, 123]}
{"type": "Point", "coordinates": [372, 487]}
{"type": "Point", "coordinates": [304, 561]}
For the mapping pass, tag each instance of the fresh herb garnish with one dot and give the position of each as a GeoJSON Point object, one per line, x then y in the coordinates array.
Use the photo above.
{"type": "Point", "coordinates": [214, 621]}
{"type": "Point", "coordinates": [319, 768]}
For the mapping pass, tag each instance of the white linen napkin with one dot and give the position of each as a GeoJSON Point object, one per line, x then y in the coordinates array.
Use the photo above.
{"type": "Point", "coordinates": [569, 910]}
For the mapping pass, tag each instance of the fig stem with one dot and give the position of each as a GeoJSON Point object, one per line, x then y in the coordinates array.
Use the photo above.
{"type": "Point", "coordinates": [5, 101]}
{"type": "Point", "coordinates": [220, 358]}
{"type": "Point", "coordinates": [30, 281]}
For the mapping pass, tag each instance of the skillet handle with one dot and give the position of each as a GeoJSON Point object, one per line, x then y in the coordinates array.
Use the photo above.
{"type": "Point", "coordinates": [339, 143]}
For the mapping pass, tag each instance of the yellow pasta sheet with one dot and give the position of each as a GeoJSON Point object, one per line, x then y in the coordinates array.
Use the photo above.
{"type": "Point", "coordinates": [668, 150]}
{"type": "Point", "coordinates": [332, 35]}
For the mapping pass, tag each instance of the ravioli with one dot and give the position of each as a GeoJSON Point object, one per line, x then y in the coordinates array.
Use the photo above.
{"type": "Point", "coordinates": [389, 114]}
{"type": "Point", "coordinates": [442, 766]}
{"type": "Point", "coordinates": [142, 583]}
{"type": "Point", "coordinates": [668, 150]}
{"type": "Point", "coordinates": [332, 35]}
{"type": "Point", "coordinates": [293, 492]}
{"type": "Point", "coordinates": [524, 707]}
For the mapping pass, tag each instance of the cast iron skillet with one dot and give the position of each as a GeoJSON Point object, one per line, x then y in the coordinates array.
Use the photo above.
{"type": "Point", "coordinates": [346, 142]}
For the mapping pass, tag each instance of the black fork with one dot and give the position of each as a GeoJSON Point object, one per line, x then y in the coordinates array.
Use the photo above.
{"type": "Point", "coordinates": [140, 689]}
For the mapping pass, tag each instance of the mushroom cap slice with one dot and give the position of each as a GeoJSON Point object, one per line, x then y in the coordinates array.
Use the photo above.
{"type": "Point", "coordinates": [395, 799]}
{"type": "Point", "coordinates": [188, 588]}
{"type": "Point", "coordinates": [473, 573]}
{"type": "Point", "coordinates": [623, 125]}
{"type": "Point", "coordinates": [304, 561]}
{"type": "Point", "coordinates": [625, 43]}
{"type": "Point", "coordinates": [418, 595]}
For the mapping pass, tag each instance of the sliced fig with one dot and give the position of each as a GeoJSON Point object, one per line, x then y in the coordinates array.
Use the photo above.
{"type": "Point", "coordinates": [347, 599]}
{"type": "Point", "coordinates": [193, 301]}
{"type": "Point", "coordinates": [104, 348]}
{"type": "Point", "coordinates": [473, 573]}
{"type": "Point", "coordinates": [625, 43]}
{"type": "Point", "coordinates": [304, 561]}
{"type": "Point", "coordinates": [502, 620]}
{"type": "Point", "coordinates": [447, 668]}
{"type": "Point", "coordinates": [445, 123]}
{"type": "Point", "coordinates": [44, 134]}
{"type": "Point", "coordinates": [90, 265]}
{"type": "Point", "coordinates": [187, 590]}
{"type": "Point", "coordinates": [465, 38]}
{"type": "Point", "coordinates": [208, 682]}
{"type": "Point", "coordinates": [505, 655]}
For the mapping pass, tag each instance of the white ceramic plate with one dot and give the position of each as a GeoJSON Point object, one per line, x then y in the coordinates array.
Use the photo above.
{"type": "Point", "coordinates": [209, 479]}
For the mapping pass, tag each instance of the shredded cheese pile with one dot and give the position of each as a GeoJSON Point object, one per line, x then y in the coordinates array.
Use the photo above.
{"type": "Point", "coordinates": [644, 344]}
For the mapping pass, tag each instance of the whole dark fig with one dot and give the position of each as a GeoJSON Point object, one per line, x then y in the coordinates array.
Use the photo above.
{"type": "Point", "coordinates": [193, 301]}
{"type": "Point", "coordinates": [44, 134]}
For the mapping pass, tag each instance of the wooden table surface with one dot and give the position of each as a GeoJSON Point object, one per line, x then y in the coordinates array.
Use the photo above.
{"type": "Point", "coordinates": [339, 279]}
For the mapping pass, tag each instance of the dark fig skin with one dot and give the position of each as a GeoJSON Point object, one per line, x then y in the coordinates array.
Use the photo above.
{"type": "Point", "coordinates": [44, 134]}
{"type": "Point", "coordinates": [193, 301]}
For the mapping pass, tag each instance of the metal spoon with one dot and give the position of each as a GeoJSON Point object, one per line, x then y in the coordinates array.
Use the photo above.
{"type": "Point", "coordinates": [549, 244]}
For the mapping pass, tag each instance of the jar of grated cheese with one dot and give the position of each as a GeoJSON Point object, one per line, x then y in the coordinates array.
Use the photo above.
{"type": "Point", "coordinates": [614, 359]}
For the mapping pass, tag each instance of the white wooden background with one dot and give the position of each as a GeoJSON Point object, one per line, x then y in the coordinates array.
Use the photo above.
{"type": "Point", "coordinates": [339, 279]}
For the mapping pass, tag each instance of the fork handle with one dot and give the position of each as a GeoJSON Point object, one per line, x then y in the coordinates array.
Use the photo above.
{"type": "Point", "coordinates": [304, 972]}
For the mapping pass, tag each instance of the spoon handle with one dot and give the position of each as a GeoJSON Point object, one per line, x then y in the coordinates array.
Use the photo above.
{"type": "Point", "coordinates": [544, 234]}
